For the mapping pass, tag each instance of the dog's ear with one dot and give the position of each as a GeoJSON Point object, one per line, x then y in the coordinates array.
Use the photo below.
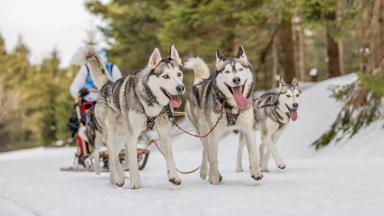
{"type": "Point", "coordinates": [173, 54]}
{"type": "Point", "coordinates": [295, 82]}
{"type": "Point", "coordinates": [154, 59]}
{"type": "Point", "coordinates": [241, 54]}
{"type": "Point", "coordinates": [219, 58]}
{"type": "Point", "coordinates": [282, 81]}
{"type": "Point", "coordinates": [282, 84]}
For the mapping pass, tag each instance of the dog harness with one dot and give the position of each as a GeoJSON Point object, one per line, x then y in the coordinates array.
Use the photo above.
{"type": "Point", "coordinates": [276, 117]}
{"type": "Point", "coordinates": [150, 122]}
{"type": "Point", "coordinates": [231, 117]}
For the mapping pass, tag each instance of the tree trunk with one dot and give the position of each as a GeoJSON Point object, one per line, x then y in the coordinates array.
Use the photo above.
{"type": "Point", "coordinates": [332, 47]}
{"type": "Point", "coordinates": [341, 57]}
{"type": "Point", "coordinates": [275, 66]}
{"type": "Point", "coordinates": [286, 49]}
{"type": "Point", "coordinates": [369, 32]}
{"type": "Point", "coordinates": [302, 53]}
{"type": "Point", "coordinates": [381, 32]}
{"type": "Point", "coordinates": [339, 10]}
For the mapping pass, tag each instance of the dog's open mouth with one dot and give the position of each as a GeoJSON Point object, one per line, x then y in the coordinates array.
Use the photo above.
{"type": "Point", "coordinates": [293, 113]}
{"type": "Point", "coordinates": [237, 92]}
{"type": "Point", "coordinates": [174, 100]}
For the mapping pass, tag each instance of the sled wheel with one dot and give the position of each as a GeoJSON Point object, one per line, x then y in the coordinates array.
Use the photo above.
{"type": "Point", "coordinates": [142, 157]}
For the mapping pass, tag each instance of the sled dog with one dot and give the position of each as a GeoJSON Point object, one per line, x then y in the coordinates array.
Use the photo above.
{"type": "Point", "coordinates": [226, 92]}
{"type": "Point", "coordinates": [94, 137]}
{"type": "Point", "coordinates": [135, 103]}
{"type": "Point", "coordinates": [272, 112]}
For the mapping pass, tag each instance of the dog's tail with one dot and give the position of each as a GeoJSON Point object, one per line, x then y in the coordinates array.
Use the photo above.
{"type": "Point", "coordinates": [199, 67]}
{"type": "Point", "coordinates": [88, 55]}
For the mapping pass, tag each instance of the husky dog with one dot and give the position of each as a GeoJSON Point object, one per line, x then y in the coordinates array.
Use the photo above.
{"type": "Point", "coordinates": [226, 93]}
{"type": "Point", "coordinates": [94, 138]}
{"type": "Point", "coordinates": [273, 112]}
{"type": "Point", "coordinates": [133, 104]}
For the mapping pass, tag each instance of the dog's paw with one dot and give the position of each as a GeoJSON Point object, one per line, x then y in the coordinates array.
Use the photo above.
{"type": "Point", "coordinates": [120, 183]}
{"type": "Point", "coordinates": [257, 176]}
{"type": "Point", "coordinates": [136, 184]}
{"type": "Point", "coordinates": [281, 165]}
{"type": "Point", "coordinates": [215, 179]}
{"type": "Point", "coordinates": [175, 180]}
{"type": "Point", "coordinates": [203, 173]}
{"type": "Point", "coordinates": [265, 169]}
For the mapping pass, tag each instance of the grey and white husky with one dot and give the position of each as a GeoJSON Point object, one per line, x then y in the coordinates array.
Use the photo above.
{"type": "Point", "coordinates": [93, 135]}
{"type": "Point", "coordinates": [273, 111]}
{"type": "Point", "coordinates": [133, 104]}
{"type": "Point", "coordinates": [225, 92]}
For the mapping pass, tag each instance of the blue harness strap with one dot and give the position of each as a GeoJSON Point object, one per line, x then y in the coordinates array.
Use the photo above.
{"type": "Point", "coordinates": [89, 84]}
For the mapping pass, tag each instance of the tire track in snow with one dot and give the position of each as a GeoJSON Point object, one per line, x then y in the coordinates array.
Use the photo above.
{"type": "Point", "coordinates": [11, 207]}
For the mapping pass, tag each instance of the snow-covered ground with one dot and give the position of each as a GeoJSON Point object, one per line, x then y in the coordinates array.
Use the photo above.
{"type": "Point", "coordinates": [343, 179]}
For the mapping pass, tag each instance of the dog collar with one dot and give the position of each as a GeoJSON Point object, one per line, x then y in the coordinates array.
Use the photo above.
{"type": "Point", "coordinates": [168, 111]}
{"type": "Point", "coordinates": [278, 117]}
{"type": "Point", "coordinates": [231, 117]}
{"type": "Point", "coordinates": [150, 122]}
{"type": "Point", "coordinates": [221, 97]}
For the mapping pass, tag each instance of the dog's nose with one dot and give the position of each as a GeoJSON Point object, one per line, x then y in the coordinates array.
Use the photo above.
{"type": "Point", "coordinates": [236, 80]}
{"type": "Point", "coordinates": [295, 105]}
{"type": "Point", "coordinates": [180, 89]}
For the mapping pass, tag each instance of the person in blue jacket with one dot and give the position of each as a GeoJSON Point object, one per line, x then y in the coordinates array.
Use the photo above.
{"type": "Point", "coordinates": [83, 81]}
{"type": "Point", "coordinates": [82, 84]}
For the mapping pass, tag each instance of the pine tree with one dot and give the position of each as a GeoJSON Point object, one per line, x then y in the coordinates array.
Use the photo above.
{"type": "Point", "coordinates": [323, 13]}
{"type": "Point", "coordinates": [132, 27]}
{"type": "Point", "coordinates": [362, 98]}
{"type": "Point", "coordinates": [49, 72]}
{"type": "Point", "coordinates": [34, 99]}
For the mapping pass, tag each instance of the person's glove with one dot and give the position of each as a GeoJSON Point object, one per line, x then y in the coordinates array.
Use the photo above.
{"type": "Point", "coordinates": [83, 92]}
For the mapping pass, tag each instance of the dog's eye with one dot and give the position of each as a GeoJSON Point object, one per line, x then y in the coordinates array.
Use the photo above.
{"type": "Point", "coordinates": [297, 95]}
{"type": "Point", "coordinates": [241, 69]}
{"type": "Point", "coordinates": [226, 71]}
{"type": "Point", "coordinates": [166, 76]}
{"type": "Point", "coordinates": [288, 96]}
{"type": "Point", "coordinates": [179, 74]}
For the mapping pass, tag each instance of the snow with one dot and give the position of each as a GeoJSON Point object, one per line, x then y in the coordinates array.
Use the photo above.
{"type": "Point", "coordinates": [343, 179]}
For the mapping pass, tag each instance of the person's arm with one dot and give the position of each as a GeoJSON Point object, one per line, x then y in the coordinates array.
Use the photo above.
{"type": "Point", "coordinates": [116, 74]}
{"type": "Point", "coordinates": [79, 81]}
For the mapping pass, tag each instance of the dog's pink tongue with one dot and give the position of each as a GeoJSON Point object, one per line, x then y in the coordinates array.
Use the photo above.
{"type": "Point", "coordinates": [175, 101]}
{"type": "Point", "coordinates": [293, 115]}
{"type": "Point", "coordinates": [241, 101]}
